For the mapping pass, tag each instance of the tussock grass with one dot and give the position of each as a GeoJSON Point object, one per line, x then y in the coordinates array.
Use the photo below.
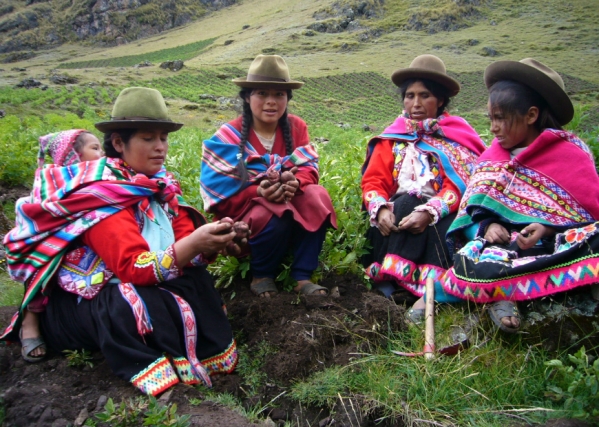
{"type": "Point", "coordinates": [493, 383]}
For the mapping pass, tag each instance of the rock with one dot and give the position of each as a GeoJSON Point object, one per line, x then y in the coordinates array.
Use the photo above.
{"type": "Point", "coordinates": [29, 83]}
{"type": "Point", "coordinates": [2, 114]}
{"type": "Point", "coordinates": [489, 51]}
{"type": "Point", "coordinates": [18, 69]}
{"type": "Point", "coordinates": [206, 96]}
{"type": "Point", "coordinates": [245, 27]}
{"type": "Point", "coordinates": [18, 56]}
{"type": "Point", "coordinates": [222, 76]}
{"type": "Point", "coordinates": [228, 42]}
{"type": "Point", "coordinates": [81, 418]}
{"type": "Point", "coordinates": [344, 126]}
{"type": "Point", "coordinates": [60, 79]}
{"type": "Point", "coordinates": [101, 403]}
{"type": "Point", "coordinates": [191, 107]}
{"type": "Point", "coordinates": [143, 64]}
{"type": "Point", "coordinates": [309, 33]}
{"type": "Point", "coordinates": [172, 65]}
{"type": "Point", "coordinates": [473, 42]}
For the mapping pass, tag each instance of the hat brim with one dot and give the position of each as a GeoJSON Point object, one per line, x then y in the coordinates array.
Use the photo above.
{"type": "Point", "coordinates": [400, 76]}
{"type": "Point", "coordinates": [291, 84]}
{"type": "Point", "coordinates": [557, 99]}
{"type": "Point", "coordinates": [138, 124]}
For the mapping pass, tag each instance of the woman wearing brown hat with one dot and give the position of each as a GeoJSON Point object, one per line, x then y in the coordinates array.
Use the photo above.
{"type": "Point", "coordinates": [413, 178]}
{"type": "Point", "coordinates": [261, 169]}
{"type": "Point", "coordinates": [532, 202]}
{"type": "Point", "coordinates": [136, 287]}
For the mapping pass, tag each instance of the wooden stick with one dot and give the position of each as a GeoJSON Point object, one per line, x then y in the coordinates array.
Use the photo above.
{"type": "Point", "coordinates": [429, 313]}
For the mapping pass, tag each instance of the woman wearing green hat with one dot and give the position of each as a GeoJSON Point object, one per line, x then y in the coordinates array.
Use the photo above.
{"type": "Point", "coordinates": [535, 226]}
{"type": "Point", "coordinates": [137, 289]}
{"type": "Point", "coordinates": [261, 169]}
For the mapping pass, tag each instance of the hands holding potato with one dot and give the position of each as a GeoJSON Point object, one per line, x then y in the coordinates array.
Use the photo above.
{"type": "Point", "coordinates": [279, 187]}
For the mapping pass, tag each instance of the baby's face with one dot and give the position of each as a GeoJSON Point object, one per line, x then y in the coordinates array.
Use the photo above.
{"type": "Point", "coordinates": [92, 149]}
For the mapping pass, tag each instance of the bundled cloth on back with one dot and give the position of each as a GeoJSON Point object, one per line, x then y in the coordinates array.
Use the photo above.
{"type": "Point", "coordinates": [552, 182]}
{"type": "Point", "coordinates": [67, 201]}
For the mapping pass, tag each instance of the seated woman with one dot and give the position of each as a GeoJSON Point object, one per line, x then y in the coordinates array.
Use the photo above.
{"type": "Point", "coordinates": [137, 289]}
{"type": "Point", "coordinates": [532, 201]}
{"type": "Point", "coordinates": [413, 178]}
{"type": "Point", "coordinates": [261, 169]}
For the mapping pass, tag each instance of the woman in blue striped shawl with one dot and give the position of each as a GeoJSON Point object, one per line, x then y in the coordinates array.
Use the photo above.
{"type": "Point", "coordinates": [261, 169]}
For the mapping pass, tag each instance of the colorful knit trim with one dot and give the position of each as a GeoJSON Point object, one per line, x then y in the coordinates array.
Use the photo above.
{"type": "Point", "coordinates": [223, 363]}
{"type": "Point", "coordinates": [156, 378]}
{"type": "Point", "coordinates": [138, 308]}
{"type": "Point", "coordinates": [162, 263]}
{"type": "Point", "coordinates": [185, 371]}
{"type": "Point", "coordinates": [580, 272]}
{"type": "Point", "coordinates": [406, 273]}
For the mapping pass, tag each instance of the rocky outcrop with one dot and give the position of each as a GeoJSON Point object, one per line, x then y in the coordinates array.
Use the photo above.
{"type": "Point", "coordinates": [45, 23]}
{"type": "Point", "coordinates": [345, 15]}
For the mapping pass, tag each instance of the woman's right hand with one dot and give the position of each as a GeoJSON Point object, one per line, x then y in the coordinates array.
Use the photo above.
{"type": "Point", "coordinates": [213, 237]}
{"type": "Point", "coordinates": [497, 234]}
{"type": "Point", "coordinates": [386, 220]}
{"type": "Point", "coordinates": [273, 192]}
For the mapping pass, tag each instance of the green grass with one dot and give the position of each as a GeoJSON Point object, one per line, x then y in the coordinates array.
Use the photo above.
{"type": "Point", "coordinates": [183, 53]}
{"type": "Point", "coordinates": [493, 383]}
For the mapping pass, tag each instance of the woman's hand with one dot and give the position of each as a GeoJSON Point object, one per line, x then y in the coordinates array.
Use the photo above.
{"type": "Point", "coordinates": [386, 220]}
{"type": "Point", "coordinates": [273, 192]}
{"type": "Point", "coordinates": [416, 222]}
{"type": "Point", "coordinates": [497, 234]}
{"type": "Point", "coordinates": [214, 237]}
{"type": "Point", "coordinates": [290, 183]}
{"type": "Point", "coordinates": [531, 234]}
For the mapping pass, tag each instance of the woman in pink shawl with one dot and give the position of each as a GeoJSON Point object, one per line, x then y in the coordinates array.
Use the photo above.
{"type": "Point", "coordinates": [413, 178]}
{"type": "Point", "coordinates": [533, 200]}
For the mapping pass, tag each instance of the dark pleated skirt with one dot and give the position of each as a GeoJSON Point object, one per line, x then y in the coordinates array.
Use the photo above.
{"type": "Point", "coordinates": [106, 323]}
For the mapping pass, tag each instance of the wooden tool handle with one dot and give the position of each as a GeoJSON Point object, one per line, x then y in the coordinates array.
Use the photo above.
{"type": "Point", "coordinates": [429, 331]}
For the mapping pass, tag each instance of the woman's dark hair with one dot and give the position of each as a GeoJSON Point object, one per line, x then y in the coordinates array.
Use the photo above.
{"type": "Point", "coordinates": [125, 135]}
{"type": "Point", "coordinates": [514, 99]}
{"type": "Point", "coordinates": [437, 89]}
{"type": "Point", "coordinates": [246, 124]}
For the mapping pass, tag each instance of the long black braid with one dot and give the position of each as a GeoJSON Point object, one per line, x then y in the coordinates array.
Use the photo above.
{"type": "Point", "coordinates": [246, 125]}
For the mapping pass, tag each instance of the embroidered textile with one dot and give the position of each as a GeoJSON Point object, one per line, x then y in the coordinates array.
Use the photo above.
{"type": "Point", "coordinates": [60, 146]}
{"type": "Point", "coordinates": [534, 186]}
{"type": "Point", "coordinates": [156, 378]}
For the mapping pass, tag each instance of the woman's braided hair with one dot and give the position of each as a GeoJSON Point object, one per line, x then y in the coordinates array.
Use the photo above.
{"type": "Point", "coordinates": [246, 124]}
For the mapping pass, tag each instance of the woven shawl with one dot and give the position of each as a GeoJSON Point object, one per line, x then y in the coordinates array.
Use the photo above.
{"type": "Point", "coordinates": [552, 182]}
{"type": "Point", "coordinates": [438, 137]}
{"type": "Point", "coordinates": [220, 178]}
{"type": "Point", "coordinates": [67, 201]}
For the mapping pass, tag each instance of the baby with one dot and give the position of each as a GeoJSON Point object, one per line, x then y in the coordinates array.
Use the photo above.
{"type": "Point", "coordinates": [65, 148]}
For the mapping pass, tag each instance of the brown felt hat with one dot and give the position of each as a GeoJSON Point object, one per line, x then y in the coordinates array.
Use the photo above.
{"type": "Point", "coordinates": [268, 71]}
{"type": "Point", "coordinates": [427, 67]}
{"type": "Point", "coordinates": [539, 77]}
{"type": "Point", "coordinates": [139, 108]}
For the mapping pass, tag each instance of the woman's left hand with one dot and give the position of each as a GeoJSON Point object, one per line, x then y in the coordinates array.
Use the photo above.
{"type": "Point", "coordinates": [531, 234]}
{"type": "Point", "coordinates": [416, 222]}
{"type": "Point", "coordinates": [290, 183]}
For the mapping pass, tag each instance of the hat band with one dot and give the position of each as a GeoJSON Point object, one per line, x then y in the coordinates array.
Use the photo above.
{"type": "Point", "coordinates": [140, 119]}
{"type": "Point", "coordinates": [259, 78]}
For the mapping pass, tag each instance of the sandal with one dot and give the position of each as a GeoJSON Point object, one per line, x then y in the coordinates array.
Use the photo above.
{"type": "Point", "coordinates": [265, 285]}
{"type": "Point", "coordinates": [312, 289]}
{"type": "Point", "coordinates": [501, 309]}
{"type": "Point", "coordinates": [415, 315]}
{"type": "Point", "coordinates": [30, 344]}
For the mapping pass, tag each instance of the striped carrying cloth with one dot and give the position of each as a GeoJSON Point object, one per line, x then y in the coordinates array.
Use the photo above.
{"type": "Point", "coordinates": [67, 201]}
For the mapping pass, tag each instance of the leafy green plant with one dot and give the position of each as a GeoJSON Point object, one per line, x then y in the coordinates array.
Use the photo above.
{"type": "Point", "coordinates": [79, 359]}
{"type": "Point", "coordinates": [575, 384]}
{"type": "Point", "coordinates": [250, 367]}
{"type": "Point", "coordinates": [164, 415]}
{"type": "Point", "coordinates": [127, 414]}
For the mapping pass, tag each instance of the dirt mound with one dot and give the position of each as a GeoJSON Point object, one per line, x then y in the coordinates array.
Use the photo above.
{"type": "Point", "coordinates": [305, 335]}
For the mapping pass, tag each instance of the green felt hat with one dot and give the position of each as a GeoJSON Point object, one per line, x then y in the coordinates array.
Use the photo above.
{"type": "Point", "coordinates": [268, 71]}
{"type": "Point", "coordinates": [139, 108]}
{"type": "Point", "coordinates": [539, 77]}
